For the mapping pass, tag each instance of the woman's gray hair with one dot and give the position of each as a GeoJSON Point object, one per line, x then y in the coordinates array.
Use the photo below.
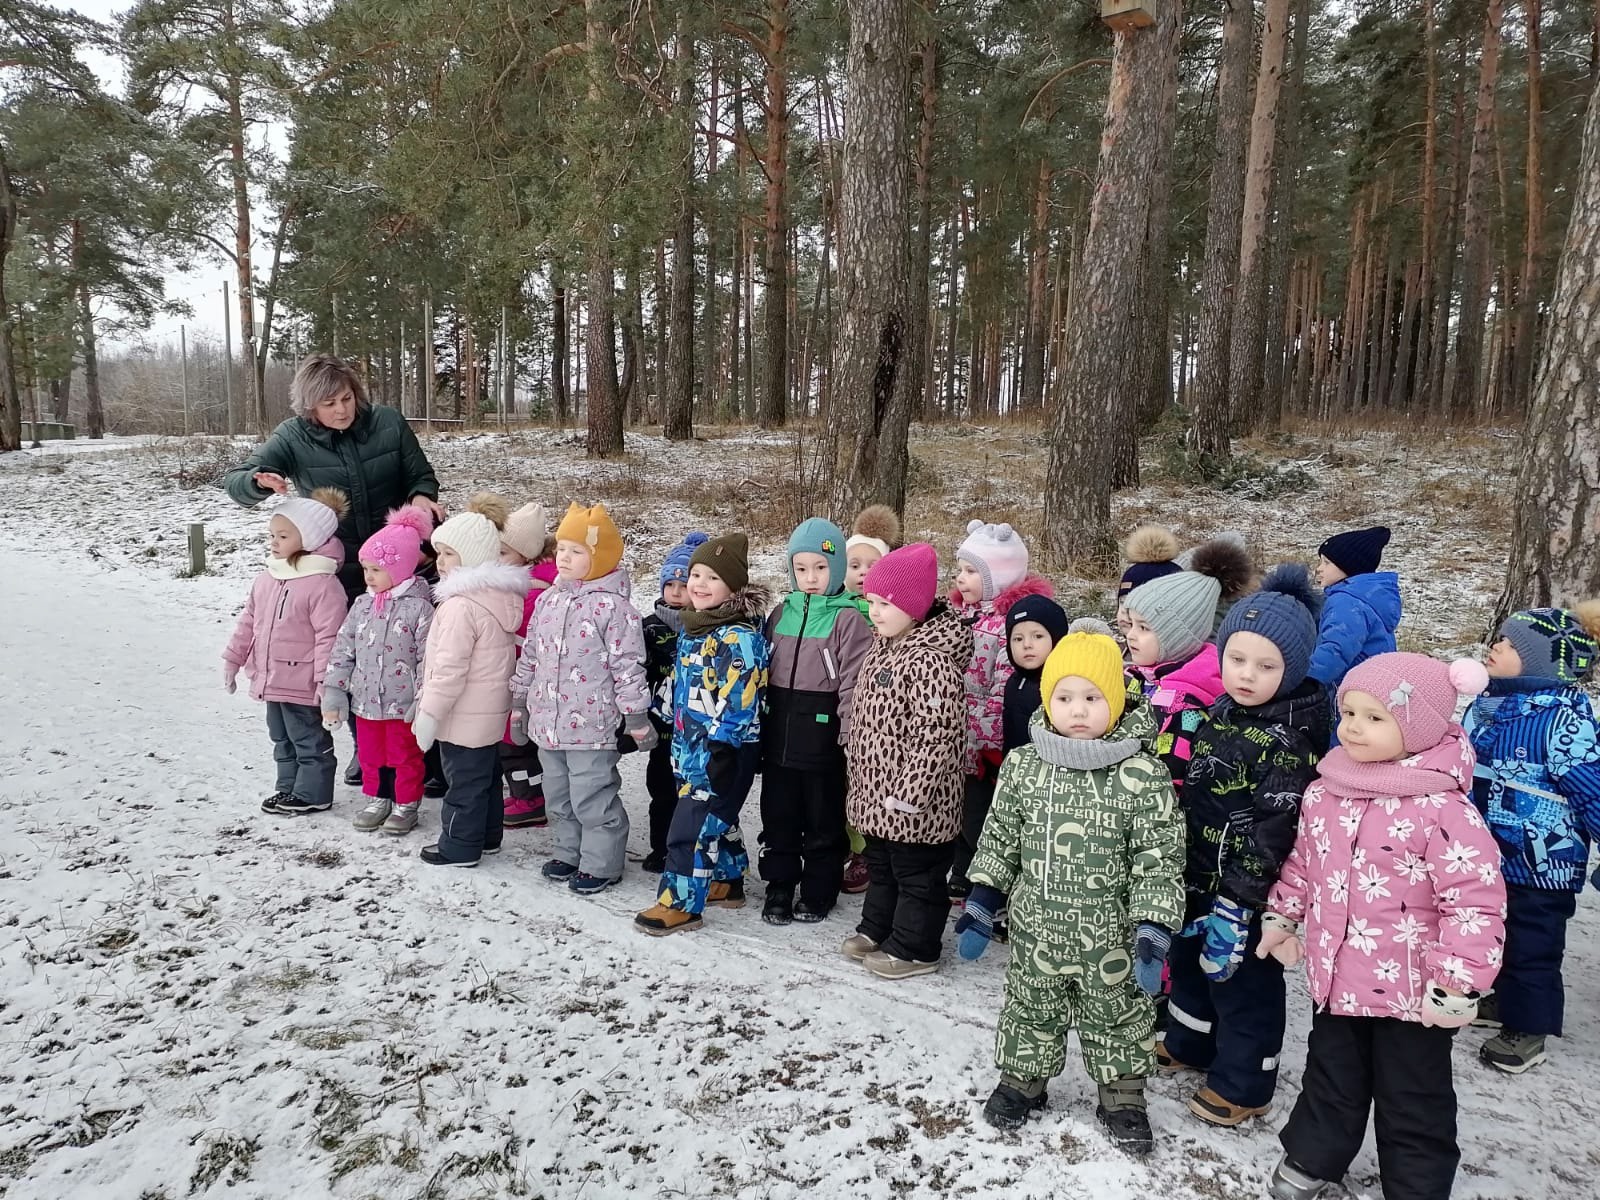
{"type": "Point", "coordinates": [319, 377]}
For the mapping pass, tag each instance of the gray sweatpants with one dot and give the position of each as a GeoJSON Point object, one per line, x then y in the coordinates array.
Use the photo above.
{"type": "Point", "coordinates": [583, 799]}
{"type": "Point", "coordinates": [303, 750]}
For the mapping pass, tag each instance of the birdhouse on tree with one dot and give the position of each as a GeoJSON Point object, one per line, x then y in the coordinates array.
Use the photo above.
{"type": "Point", "coordinates": [1123, 15]}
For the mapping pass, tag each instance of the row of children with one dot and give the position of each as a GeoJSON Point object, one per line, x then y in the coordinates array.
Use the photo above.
{"type": "Point", "coordinates": [1166, 816]}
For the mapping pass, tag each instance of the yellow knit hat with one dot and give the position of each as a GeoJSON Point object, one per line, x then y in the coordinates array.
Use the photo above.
{"type": "Point", "coordinates": [594, 528]}
{"type": "Point", "coordinates": [1091, 656]}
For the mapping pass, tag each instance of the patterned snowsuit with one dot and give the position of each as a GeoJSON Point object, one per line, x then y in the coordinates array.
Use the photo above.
{"type": "Point", "coordinates": [1086, 852]}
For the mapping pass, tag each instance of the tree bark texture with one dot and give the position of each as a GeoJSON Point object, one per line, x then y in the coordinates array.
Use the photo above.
{"type": "Point", "coordinates": [1475, 249]}
{"type": "Point", "coordinates": [774, 409]}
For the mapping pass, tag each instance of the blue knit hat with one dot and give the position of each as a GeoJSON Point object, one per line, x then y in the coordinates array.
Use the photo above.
{"type": "Point", "coordinates": [1284, 612]}
{"type": "Point", "coordinates": [1356, 552]}
{"type": "Point", "coordinates": [1552, 643]}
{"type": "Point", "coordinates": [818, 535]}
{"type": "Point", "coordinates": [1041, 610]}
{"type": "Point", "coordinates": [675, 568]}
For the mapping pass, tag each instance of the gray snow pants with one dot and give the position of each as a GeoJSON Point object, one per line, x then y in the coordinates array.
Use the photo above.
{"type": "Point", "coordinates": [303, 750]}
{"type": "Point", "coordinates": [583, 799]}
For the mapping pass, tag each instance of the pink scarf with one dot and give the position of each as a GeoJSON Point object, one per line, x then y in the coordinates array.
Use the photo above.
{"type": "Point", "coordinates": [1446, 767]}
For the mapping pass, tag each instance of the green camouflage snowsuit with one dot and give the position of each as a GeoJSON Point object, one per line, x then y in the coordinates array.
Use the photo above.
{"type": "Point", "coordinates": [1087, 840]}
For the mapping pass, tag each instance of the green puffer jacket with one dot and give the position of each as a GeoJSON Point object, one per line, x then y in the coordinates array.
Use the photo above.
{"type": "Point", "coordinates": [376, 462]}
{"type": "Point", "coordinates": [1087, 840]}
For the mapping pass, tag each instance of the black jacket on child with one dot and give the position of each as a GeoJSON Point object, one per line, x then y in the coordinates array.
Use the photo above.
{"type": "Point", "coordinates": [1241, 795]}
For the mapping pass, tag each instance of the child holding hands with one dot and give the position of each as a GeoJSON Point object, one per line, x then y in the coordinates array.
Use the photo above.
{"type": "Point", "coordinates": [1393, 897]}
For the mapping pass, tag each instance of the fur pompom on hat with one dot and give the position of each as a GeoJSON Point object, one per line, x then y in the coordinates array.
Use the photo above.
{"type": "Point", "coordinates": [397, 547]}
{"type": "Point", "coordinates": [1356, 552]}
{"type": "Point", "coordinates": [475, 534]}
{"type": "Point", "coordinates": [728, 556]}
{"type": "Point", "coordinates": [315, 517]}
{"type": "Point", "coordinates": [1285, 612]}
{"type": "Point", "coordinates": [1559, 644]}
{"type": "Point", "coordinates": [1150, 551]}
{"type": "Point", "coordinates": [1091, 656]}
{"type": "Point", "coordinates": [907, 578]}
{"type": "Point", "coordinates": [818, 535]}
{"type": "Point", "coordinates": [675, 567]}
{"type": "Point", "coordinates": [1421, 693]}
{"type": "Point", "coordinates": [594, 529]}
{"type": "Point", "coordinates": [527, 530]}
{"type": "Point", "coordinates": [998, 553]}
{"type": "Point", "coordinates": [878, 526]}
{"type": "Point", "coordinates": [1181, 608]}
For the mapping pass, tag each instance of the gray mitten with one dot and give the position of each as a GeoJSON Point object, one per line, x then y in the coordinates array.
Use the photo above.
{"type": "Point", "coordinates": [642, 730]}
{"type": "Point", "coordinates": [335, 707]}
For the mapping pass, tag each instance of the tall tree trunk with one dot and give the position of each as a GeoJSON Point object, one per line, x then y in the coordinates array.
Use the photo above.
{"type": "Point", "coordinates": [94, 414]}
{"type": "Point", "coordinates": [711, 339]}
{"type": "Point", "coordinates": [1208, 390]}
{"type": "Point", "coordinates": [922, 257]}
{"type": "Point", "coordinates": [1290, 146]}
{"type": "Point", "coordinates": [679, 421]}
{"type": "Point", "coordinates": [774, 411]}
{"type": "Point", "coordinates": [560, 367]}
{"type": "Point", "coordinates": [10, 395]}
{"type": "Point", "coordinates": [256, 396]}
{"type": "Point", "coordinates": [1428, 186]}
{"type": "Point", "coordinates": [1533, 232]}
{"type": "Point", "coordinates": [1555, 542]}
{"type": "Point", "coordinates": [875, 358]}
{"type": "Point", "coordinates": [1247, 348]}
{"type": "Point", "coordinates": [1106, 310]}
{"type": "Point", "coordinates": [1036, 330]}
{"type": "Point", "coordinates": [1475, 253]}
{"type": "Point", "coordinates": [602, 391]}
{"type": "Point", "coordinates": [732, 411]}
{"type": "Point", "coordinates": [1446, 278]}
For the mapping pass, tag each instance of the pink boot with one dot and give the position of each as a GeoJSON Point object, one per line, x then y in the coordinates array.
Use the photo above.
{"type": "Point", "coordinates": [520, 814]}
{"type": "Point", "coordinates": [855, 875]}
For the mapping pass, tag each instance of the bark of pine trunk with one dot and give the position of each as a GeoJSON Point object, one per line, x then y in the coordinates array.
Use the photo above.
{"type": "Point", "coordinates": [774, 410]}
{"type": "Point", "coordinates": [875, 357]}
{"type": "Point", "coordinates": [94, 413]}
{"type": "Point", "coordinates": [679, 403]}
{"type": "Point", "coordinates": [1521, 374]}
{"type": "Point", "coordinates": [1247, 347]}
{"type": "Point", "coordinates": [922, 259]}
{"type": "Point", "coordinates": [1290, 145]}
{"type": "Point", "coordinates": [1446, 278]}
{"type": "Point", "coordinates": [1106, 312]}
{"type": "Point", "coordinates": [1475, 252]}
{"type": "Point", "coordinates": [10, 395]}
{"type": "Point", "coordinates": [560, 367]}
{"type": "Point", "coordinates": [1036, 330]}
{"type": "Point", "coordinates": [256, 398]}
{"type": "Point", "coordinates": [1208, 389]}
{"type": "Point", "coordinates": [1555, 545]}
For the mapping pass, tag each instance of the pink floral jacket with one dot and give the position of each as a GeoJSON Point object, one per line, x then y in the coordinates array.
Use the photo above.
{"type": "Point", "coordinates": [1397, 882]}
{"type": "Point", "coordinates": [989, 670]}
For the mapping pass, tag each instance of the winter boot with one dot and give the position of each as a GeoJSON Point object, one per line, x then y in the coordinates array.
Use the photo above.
{"type": "Point", "coordinates": [270, 804]}
{"type": "Point", "coordinates": [434, 787]}
{"type": "Point", "coordinates": [887, 966]}
{"type": "Point", "coordinates": [654, 863]}
{"type": "Point", "coordinates": [523, 814]}
{"type": "Point", "coordinates": [557, 870]}
{"type": "Point", "coordinates": [658, 920]}
{"type": "Point", "coordinates": [857, 946]}
{"type": "Point", "coordinates": [807, 915]}
{"type": "Point", "coordinates": [1290, 1182]}
{"type": "Point", "coordinates": [402, 819]}
{"type": "Point", "coordinates": [1013, 1101]}
{"type": "Point", "coordinates": [1513, 1052]}
{"type": "Point", "coordinates": [590, 885]}
{"type": "Point", "coordinates": [372, 816]}
{"type": "Point", "coordinates": [1168, 1065]}
{"type": "Point", "coordinates": [1121, 1113]}
{"type": "Point", "coordinates": [726, 893]}
{"type": "Point", "coordinates": [1214, 1110]}
{"type": "Point", "coordinates": [352, 774]}
{"type": "Point", "coordinates": [293, 806]}
{"type": "Point", "coordinates": [779, 906]}
{"type": "Point", "coordinates": [432, 856]}
{"type": "Point", "coordinates": [855, 875]}
{"type": "Point", "coordinates": [1488, 1012]}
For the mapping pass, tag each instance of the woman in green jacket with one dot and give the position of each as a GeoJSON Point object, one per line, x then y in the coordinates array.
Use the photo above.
{"type": "Point", "coordinates": [337, 438]}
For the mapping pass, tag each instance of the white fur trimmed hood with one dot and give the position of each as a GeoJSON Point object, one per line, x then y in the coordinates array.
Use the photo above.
{"type": "Point", "coordinates": [497, 588]}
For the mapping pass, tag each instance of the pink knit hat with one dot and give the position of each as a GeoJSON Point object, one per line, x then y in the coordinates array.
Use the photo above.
{"type": "Point", "coordinates": [907, 578]}
{"type": "Point", "coordinates": [397, 547]}
{"type": "Point", "coordinates": [999, 555]}
{"type": "Point", "coordinates": [1421, 693]}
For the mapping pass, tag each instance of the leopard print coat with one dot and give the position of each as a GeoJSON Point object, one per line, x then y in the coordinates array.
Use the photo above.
{"type": "Point", "coordinates": [908, 733]}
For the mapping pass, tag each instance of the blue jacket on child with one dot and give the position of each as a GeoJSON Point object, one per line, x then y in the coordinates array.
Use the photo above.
{"type": "Point", "coordinates": [1538, 779]}
{"type": "Point", "coordinates": [1359, 617]}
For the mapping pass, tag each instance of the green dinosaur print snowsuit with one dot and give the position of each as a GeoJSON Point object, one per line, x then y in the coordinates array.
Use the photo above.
{"type": "Point", "coordinates": [1087, 840]}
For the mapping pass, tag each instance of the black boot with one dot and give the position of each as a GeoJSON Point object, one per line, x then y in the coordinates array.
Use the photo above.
{"type": "Point", "coordinates": [352, 773]}
{"type": "Point", "coordinates": [1121, 1113]}
{"type": "Point", "coordinates": [779, 906]}
{"type": "Point", "coordinates": [1014, 1101]}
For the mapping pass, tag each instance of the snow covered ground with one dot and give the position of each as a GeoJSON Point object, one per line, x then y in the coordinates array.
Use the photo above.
{"type": "Point", "coordinates": [199, 1000]}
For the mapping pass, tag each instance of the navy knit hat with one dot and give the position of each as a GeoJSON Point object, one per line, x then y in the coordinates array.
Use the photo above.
{"type": "Point", "coordinates": [1284, 612]}
{"type": "Point", "coordinates": [1552, 643]}
{"type": "Point", "coordinates": [675, 569]}
{"type": "Point", "coordinates": [1356, 552]}
{"type": "Point", "coordinates": [1042, 611]}
{"type": "Point", "coordinates": [818, 535]}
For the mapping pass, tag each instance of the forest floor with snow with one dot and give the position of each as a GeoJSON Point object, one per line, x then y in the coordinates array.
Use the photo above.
{"type": "Point", "coordinates": [199, 1000]}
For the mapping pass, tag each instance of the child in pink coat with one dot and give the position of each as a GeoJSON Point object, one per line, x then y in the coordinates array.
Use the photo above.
{"type": "Point", "coordinates": [1393, 896]}
{"type": "Point", "coordinates": [283, 641]}
{"type": "Point", "coordinates": [991, 576]}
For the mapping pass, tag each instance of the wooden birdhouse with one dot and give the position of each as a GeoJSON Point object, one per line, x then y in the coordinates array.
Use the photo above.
{"type": "Point", "coordinates": [1124, 15]}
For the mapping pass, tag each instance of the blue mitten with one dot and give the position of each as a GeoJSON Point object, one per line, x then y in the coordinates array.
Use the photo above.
{"type": "Point", "coordinates": [1150, 945]}
{"type": "Point", "coordinates": [1227, 929]}
{"type": "Point", "coordinates": [975, 927]}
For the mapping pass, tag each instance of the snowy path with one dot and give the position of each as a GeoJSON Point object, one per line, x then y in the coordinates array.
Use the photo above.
{"type": "Point", "coordinates": [198, 1000]}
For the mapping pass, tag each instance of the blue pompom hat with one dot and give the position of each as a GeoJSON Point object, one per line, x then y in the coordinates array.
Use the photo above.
{"type": "Point", "coordinates": [1284, 612]}
{"type": "Point", "coordinates": [675, 569]}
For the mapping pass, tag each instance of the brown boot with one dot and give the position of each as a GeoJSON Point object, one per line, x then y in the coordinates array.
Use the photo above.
{"type": "Point", "coordinates": [1168, 1065]}
{"type": "Point", "coordinates": [1214, 1110]}
{"type": "Point", "coordinates": [658, 920]}
{"type": "Point", "coordinates": [726, 893]}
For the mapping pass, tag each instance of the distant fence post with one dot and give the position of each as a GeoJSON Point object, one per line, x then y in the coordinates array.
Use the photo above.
{"type": "Point", "coordinates": [197, 548]}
